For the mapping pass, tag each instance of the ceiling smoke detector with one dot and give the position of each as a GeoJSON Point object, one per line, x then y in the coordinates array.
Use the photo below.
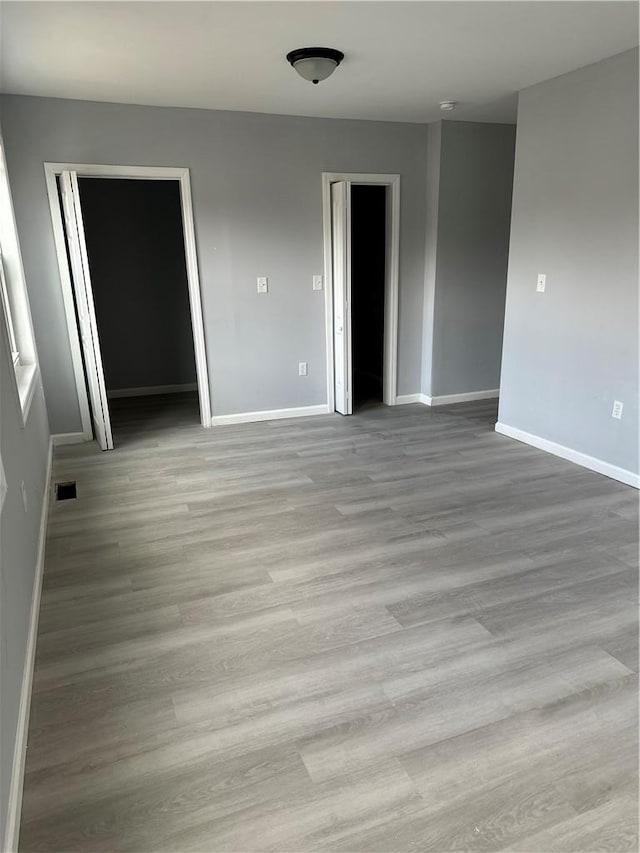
{"type": "Point", "coordinates": [447, 106]}
{"type": "Point", "coordinates": [315, 63]}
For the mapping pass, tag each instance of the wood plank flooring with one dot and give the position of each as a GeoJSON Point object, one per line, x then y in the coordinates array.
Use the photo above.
{"type": "Point", "coordinates": [392, 632]}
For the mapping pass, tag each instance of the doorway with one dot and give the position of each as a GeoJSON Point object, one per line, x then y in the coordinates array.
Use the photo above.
{"type": "Point", "coordinates": [141, 301]}
{"type": "Point", "coordinates": [126, 253]}
{"type": "Point", "coordinates": [361, 219]}
{"type": "Point", "coordinates": [368, 250]}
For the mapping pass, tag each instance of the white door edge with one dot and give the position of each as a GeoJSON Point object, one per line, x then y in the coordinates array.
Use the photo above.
{"type": "Point", "coordinates": [81, 280]}
{"type": "Point", "coordinates": [341, 280]}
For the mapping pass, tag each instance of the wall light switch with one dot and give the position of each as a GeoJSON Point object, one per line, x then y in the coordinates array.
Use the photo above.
{"type": "Point", "coordinates": [302, 368]}
{"type": "Point", "coordinates": [542, 282]}
{"type": "Point", "coordinates": [616, 412]}
{"type": "Point", "coordinates": [263, 284]}
{"type": "Point", "coordinates": [317, 282]}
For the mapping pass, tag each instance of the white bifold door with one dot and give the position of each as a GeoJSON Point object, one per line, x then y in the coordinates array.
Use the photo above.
{"type": "Point", "coordinates": [86, 310]}
{"type": "Point", "coordinates": [341, 269]}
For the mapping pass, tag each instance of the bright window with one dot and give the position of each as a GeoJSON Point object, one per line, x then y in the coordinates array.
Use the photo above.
{"type": "Point", "coordinates": [13, 344]}
{"type": "Point", "coordinates": [13, 295]}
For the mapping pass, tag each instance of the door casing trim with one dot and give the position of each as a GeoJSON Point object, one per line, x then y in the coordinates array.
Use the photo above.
{"type": "Point", "coordinates": [390, 356]}
{"type": "Point", "coordinates": [156, 173]}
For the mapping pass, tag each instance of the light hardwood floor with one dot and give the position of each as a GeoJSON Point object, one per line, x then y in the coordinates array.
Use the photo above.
{"type": "Point", "coordinates": [392, 632]}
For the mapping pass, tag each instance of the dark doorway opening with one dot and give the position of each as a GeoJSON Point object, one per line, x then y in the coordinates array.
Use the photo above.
{"type": "Point", "coordinates": [135, 246]}
{"type": "Point", "coordinates": [368, 277]}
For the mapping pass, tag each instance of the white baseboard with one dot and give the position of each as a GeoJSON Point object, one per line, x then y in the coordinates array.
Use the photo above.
{"type": "Point", "coordinates": [14, 806]}
{"type": "Point", "coordinates": [583, 459]}
{"type": "Point", "coordinates": [447, 399]}
{"type": "Point", "coordinates": [149, 390]}
{"type": "Point", "coordinates": [269, 415]}
{"type": "Point", "coordinates": [68, 438]}
{"type": "Point", "coordinates": [404, 399]}
{"type": "Point", "coordinates": [468, 397]}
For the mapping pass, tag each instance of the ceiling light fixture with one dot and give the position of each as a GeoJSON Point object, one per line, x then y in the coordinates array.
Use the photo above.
{"type": "Point", "coordinates": [315, 63]}
{"type": "Point", "coordinates": [447, 106]}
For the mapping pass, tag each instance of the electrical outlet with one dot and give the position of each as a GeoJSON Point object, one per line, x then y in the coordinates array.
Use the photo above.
{"type": "Point", "coordinates": [317, 282]}
{"type": "Point", "coordinates": [616, 412]}
{"type": "Point", "coordinates": [23, 489]}
{"type": "Point", "coordinates": [302, 368]}
{"type": "Point", "coordinates": [263, 284]}
{"type": "Point", "coordinates": [542, 282]}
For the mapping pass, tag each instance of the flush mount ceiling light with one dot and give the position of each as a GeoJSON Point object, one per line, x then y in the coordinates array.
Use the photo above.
{"type": "Point", "coordinates": [447, 106]}
{"type": "Point", "coordinates": [315, 63]}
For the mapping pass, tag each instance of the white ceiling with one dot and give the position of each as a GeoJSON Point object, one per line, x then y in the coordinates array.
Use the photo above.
{"type": "Point", "coordinates": [401, 58]}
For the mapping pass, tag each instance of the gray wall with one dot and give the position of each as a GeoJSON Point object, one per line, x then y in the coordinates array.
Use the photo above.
{"type": "Point", "coordinates": [256, 183]}
{"type": "Point", "coordinates": [573, 350]}
{"type": "Point", "coordinates": [474, 208]}
{"type": "Point", "coordinates": [434, 148]}
{"type": "Point", "coordinates": [24, 452]}
{"type": "Point", "coordinates": [136, 255]}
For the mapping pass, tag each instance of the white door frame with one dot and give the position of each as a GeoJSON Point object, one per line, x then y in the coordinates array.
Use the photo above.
{"type": "Point", "coordinates": [390, 349]}
{"type": "Point", "coordinates": [155, 173]}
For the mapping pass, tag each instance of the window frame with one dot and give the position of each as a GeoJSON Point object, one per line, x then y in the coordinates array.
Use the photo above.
{"type": "Point", "coordinates": [3, 484]}
{"type": "Point", "coordinates": [14, 300]}
{"type": "Point", "coordinates": [8, 319]}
